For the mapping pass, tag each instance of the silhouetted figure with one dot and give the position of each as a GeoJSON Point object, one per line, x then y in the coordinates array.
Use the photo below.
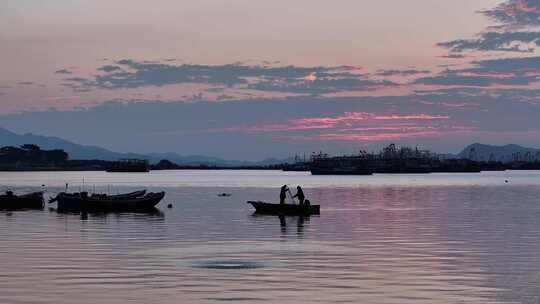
{"type": "Point", "coordinates": [283, 194]}
{"type": "Point", "coordinates": [307, 203]}
{"type": "Point", "coordinates": [300, 195]}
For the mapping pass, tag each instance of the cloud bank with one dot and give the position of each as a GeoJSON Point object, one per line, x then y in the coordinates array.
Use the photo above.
{"type": "Point", "coordinates": [129, 74]}
{"type": "Point", "coordinates": [516, 29]}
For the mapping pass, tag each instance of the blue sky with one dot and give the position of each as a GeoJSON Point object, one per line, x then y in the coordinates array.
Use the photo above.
{"type": "Point", "coordinates": [252, 79]}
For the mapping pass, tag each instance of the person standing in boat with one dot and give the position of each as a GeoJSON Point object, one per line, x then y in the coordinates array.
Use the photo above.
{"type": "Point", "coordinates": [300, 195]}
{"type": "Point", "coordinates": [283, 194]}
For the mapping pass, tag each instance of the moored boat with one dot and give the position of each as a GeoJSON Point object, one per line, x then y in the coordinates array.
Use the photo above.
{"type": "Point", "coordinates": [284, 209]}
{"type": "Point", "coordinates": [26, 201]}
{"type": "Point", "coordinates": [81, 201]}
{"type": "Point", "coordinates": [133, 194]}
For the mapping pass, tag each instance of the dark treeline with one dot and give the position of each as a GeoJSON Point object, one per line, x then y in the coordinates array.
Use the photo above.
{"type": "Point", "coordinates": [31, 157]}
{"type": "Point", "coordinates": [32, 154]}
{"type": "Point", "coordinates": [169, 165]}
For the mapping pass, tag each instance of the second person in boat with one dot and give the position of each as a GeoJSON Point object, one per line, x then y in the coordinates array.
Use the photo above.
{"type": "Point", "coordinates": [300, 195]}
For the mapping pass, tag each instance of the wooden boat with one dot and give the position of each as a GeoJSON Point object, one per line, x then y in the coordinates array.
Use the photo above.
{"type": "Point", "coordinates": [27, 201]}
{"type": "Point", "coordinates": [133, 194]}
{"type": "Point", "coordinates": [129, 195]}
{"type": "Point", "coordinates": [81, 201]}
{"type": "Point", "coordinates": [284, 209]}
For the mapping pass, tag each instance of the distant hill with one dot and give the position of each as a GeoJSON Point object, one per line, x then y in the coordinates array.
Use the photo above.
{"type": "Point", "coordinates": [506, 153]}
{"type": "Point", "coordinates": [83, 152]}
{"type": "Point", "coordinates": [76, 151]}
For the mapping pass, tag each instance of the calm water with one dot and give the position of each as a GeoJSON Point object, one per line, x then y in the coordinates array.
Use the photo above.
{"type": "Point", "coordinates": [440, 238]}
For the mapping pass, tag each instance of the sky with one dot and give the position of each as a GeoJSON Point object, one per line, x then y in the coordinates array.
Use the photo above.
{"type": "Point", "coordinates": [244, 79]}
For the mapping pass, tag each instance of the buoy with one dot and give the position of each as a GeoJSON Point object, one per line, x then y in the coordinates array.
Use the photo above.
{"type": "Point", "coordinates": [169, 206]}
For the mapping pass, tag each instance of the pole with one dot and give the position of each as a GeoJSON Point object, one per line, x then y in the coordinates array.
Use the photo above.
{"type": "Point", "coordinates": [292, 197]}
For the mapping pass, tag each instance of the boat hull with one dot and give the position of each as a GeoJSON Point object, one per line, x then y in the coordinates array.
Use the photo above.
{"type": "Point", "coordinates": [29, 201]}
{"type": "Point", "coordinates": [72, 202]}
{"type": "Point", "coordinates": [129, 195]}
{"type": "Point", "coordinates": [284, 209]}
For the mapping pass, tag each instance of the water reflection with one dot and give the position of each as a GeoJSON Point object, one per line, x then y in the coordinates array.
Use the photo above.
{"type": "Point", "coordinates": [286, 223]}
{"type": "Point", "coordinates": [300, 221]}
{"type": "Point", "coordinates": [153, 214]}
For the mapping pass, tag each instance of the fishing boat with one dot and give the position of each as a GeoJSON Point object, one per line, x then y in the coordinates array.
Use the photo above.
{"type": "Point", "coordinates": [133, 194]}
{"type": "Point", "coordinates": [284, 209]}
{"type": "Point", "coordinates": [102, 196]}
{"type": "Point", "coordinates": [81, 201]}
{"type": "Point", "coordinates": [27, 201]}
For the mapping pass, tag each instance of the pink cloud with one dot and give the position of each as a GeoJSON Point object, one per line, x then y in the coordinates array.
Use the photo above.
{"type": "Point", "coordinates": [360, 137]}
{"type": "Point", "coordinates": [265, 128]}
{"type": "Point", "coordinates": [402, 128]}
{"type": "Point", "coordinates": [56, 98]}
{"type": "Point", "coordinates": [460, 104]}
{"type": "Point", "coordinates": [350, 117]}
{"type": "Point", "coordinates": [369, 136]}
{"type": "Point", "coordinates": [354, 126]}
{"type": "Point", "coordinates": [347, 120]}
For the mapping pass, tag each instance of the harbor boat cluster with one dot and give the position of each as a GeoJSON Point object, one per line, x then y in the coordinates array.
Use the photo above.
{"type": "Point", "coordinates": [391, 159]}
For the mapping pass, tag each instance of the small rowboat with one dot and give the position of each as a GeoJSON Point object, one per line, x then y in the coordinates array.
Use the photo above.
{"type": "Point", "coordinates": [81, 201]}
{"type": "Point", "coordinates": [284, 209]}
{"type": "Point", "coordinates": [27, 201]}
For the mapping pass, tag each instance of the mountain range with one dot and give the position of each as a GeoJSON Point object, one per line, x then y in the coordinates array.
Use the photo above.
{"type": "Point", "coordinates": [506, 153]}
{"type": "Point", "coordinates": [476, 151]}
{"type": "Point", "coordinates": [77, 151]}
